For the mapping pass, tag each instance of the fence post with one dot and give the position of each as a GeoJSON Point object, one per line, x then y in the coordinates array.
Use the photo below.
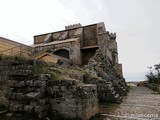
{"type": "Point", "coordinates": [20, 50]}
{"type": "Point", "coordinates": [11, 51]}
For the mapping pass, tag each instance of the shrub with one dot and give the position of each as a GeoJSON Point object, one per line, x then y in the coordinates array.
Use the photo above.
{"type": "Point", "coordinates": [154, 75]}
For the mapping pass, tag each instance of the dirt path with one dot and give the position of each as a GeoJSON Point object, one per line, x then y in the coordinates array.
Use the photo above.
{"type": "Point", "coordinates": [140, 104]}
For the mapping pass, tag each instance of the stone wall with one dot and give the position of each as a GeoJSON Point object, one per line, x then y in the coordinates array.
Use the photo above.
{"type": "Point", "coordinates": [70, 45]}
{"type": "Point", "coordinates": [106, 91]}
{"type": "Point", "coordinates": [26, 92]}
{"type": "Point", "coordinates": [3, 83]}
{"type": "Point", "coordinates": [73, 101]}
{"type": "Point", "coordinates": [113, 85]}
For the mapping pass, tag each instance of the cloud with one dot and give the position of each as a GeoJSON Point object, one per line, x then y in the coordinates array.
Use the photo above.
{"type": "Point", "coordinates": [135, 76]}
{"type": "Point", "coordinates": [135, 21]}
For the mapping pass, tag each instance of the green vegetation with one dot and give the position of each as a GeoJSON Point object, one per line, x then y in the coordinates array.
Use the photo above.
{"type": "Point", "coordinates": [47, 69]}
{"type": "Point", "coordinates": [78, 70]}
{"type": "Point", "coordinates": [56, 74]}
{"type": "Point", "coordinates": [154, 74]}
{"type": "Point", "coordinates": [40, 69]}
{"type": "Point", "coordinates": [15, 57]}
{"type": "Point", "coordinates": [44, 68]}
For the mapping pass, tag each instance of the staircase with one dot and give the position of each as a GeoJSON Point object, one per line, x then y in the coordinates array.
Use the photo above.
{"type": "Point", "coordinates": [25, 51]}
{"type": "Point", "coordinates": [38, 53]}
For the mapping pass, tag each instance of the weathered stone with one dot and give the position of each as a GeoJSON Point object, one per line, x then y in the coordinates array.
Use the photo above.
{"type": "Point", "coordinates": [30, 83]}
{"type": "Point", "coordinates": [33, 95]}
{"type": "Point", "coordinates": [28, 108]}
{"type": "Point", "coordinates": [19, 96]}
{"type": "Point", "coordinates": [15, 108]}
{"type": "Point", "coordinates": [75, 99]}
{"type": "Point", "coordinates": [20, 72]}
{"type": "Point", "coordinates": [9, 114]}
{"type": "Point", "coordinates": [37, 109]}
{"type": "Point", "coordinates": [20, 108]}
{"type": "Point", "coordinates": [44, 77]}
{"type": "Point", "coordinates": [40, 83]}
{"type": "Point", "coordinates": [33, 103]}
{"type": "Point", "coordinates": [12, 83]}
{"type": "Point", "coordinates": [61, 82]}
{"type": "Point", "coordinates": [12, 96]}
{"type": "Point", "coordinates": [43, 101]}
{"type": "Point", "coordinates": [40, 89]}
{"type": "Point", "coordinates": [21, 84]}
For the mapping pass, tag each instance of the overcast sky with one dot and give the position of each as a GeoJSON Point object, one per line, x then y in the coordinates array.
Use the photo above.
{"type": "Point", "coordinates": [136, 23]}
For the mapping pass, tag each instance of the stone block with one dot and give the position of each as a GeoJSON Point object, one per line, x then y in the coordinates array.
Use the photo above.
{"type": "Point", "coordinates": [61, 83]}
{"type": "Point", "coordinates": [12, 96]}
{"type": "Point", "coordinates": [28, 108]}
{"type": "Point", "coordinates": [15, 108]}
{"type": "Point", "coordinates": [20, 72]}
{"type": "Point", "coordinates": [33, 95]}
{"type": "Point", "coordinates": [33, 103]}
{"type": "Point", "coordinates": [63, 88]}
{"type": "Point", "coordinates": [44, 77]}
{"type": "Point", "coordinates": [30, 83]}
{"type": "Point", "coordinates": [56, 88]}
{"type": "Point", "coordinates": [50, 90]}
{"type": "Point", "coordinates": [40, 89]}
{"type": "Point", "coordinates": [43, 101]}
{"type": "Point", "coordinates": [101, 28]}
{"type": "Point", "coordinates": [21, 84]}
{"type": "Point", "coordinates": [19, 96]}
{"type": "Point", "coordinates": [40, 83]}
{"type": "Point", "coordinates": [21, 108]}
{"type": "Point", "coordinates": [41, 110]}
{"type": "Point", "coordinates": [12, 83]}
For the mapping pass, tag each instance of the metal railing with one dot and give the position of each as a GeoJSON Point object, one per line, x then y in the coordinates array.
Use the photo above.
{"type": "Point", "coordinates": [18, 50]}
{"type": "Point", "coordinates": [26, 51]}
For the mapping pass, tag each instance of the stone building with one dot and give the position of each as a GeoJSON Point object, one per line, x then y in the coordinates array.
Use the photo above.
{"type": "Point", "coordinates": [77, 44]}
{"type": "Point", "coordinates": [92, 50]}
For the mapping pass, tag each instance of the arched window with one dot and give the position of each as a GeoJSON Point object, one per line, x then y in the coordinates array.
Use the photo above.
{"type": "Point", "coordinates": [63, 53]}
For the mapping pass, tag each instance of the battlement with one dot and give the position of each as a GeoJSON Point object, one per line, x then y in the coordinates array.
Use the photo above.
{"type": "Point", "coordinates": [112, 35]}
{"type": "Point", "coordinates": [73, 26]}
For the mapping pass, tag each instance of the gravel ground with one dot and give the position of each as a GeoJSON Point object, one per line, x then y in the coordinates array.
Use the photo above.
{"type": "Point", "coordinates": [140, 104]}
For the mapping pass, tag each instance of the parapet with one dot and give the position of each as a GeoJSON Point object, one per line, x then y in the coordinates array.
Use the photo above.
{"type": "Point", "coordinates": [112, 35]}
{"type": "Point", "coordinates": [73, 26]}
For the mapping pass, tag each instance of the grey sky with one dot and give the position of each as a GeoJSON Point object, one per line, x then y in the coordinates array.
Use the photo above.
{"type": "Point", "coordinates": [136, 23]}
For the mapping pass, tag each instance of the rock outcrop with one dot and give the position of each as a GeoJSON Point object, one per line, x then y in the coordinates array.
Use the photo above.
{"type": "Point", "coordinates": [110, 86]}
